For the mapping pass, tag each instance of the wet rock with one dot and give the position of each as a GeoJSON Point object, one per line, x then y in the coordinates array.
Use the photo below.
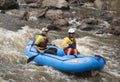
{"type": "Point", "coordinates": [26, 16]}
{"type": "Point", "coordinates": [93, 24]}
{"type": "Point", "coordinates": [53, 27]}
{"type": "Point", "coordinates": [33, 18]}
{"type": "Point", "coordinates": [10, 22]}
{"type": "Point", "coordinates": [2, 11]}
{"type": "Point", "coordinates": [88, 5]}
{"type": "Point", "coordinates": [60, 4]}
{"type": "Point", "coordinates": [115, 27]}
{"type": "Point", "coordinates": [42, 12]}
{"type": "Point", "coordinates": [30, 1]}
{"type": "Point", "coordinates": [115, 6]}
{"type": "Point", "coordinates": [102, 4]}
{"type": "Point", "coordinates": [14, 12]}
{"type": "Point", "coordinates": [73, 1]}
{"type": "Point", "coordinates": [86, 27]}
{"type": "Point", "coordinates": [8, 4]}
{"type": "Point", "coordinates": [115, 30]}
{"type": "Point", "coordinates": [34, 3]}
{"type": "Point", "coordinates": [82, 1]}
{"type": "Point", "coordinates": [54, 14]}
{"type": "Point", "coordinates": [116, 21]}
{"type": "Point", "coordinates": [60, 22]}
{"type": "Point", "coordinates": [88, 24]}
{"type": "Point", "coordinates": [91, 21]}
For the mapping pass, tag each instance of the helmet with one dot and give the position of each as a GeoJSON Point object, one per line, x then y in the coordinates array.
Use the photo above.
{"type": "Point", "coordinates": [44, 29]}
{"type": "Point", "coordinates": [71, 30]}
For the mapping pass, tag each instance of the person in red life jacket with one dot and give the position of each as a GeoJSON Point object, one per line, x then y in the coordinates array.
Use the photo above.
{"type": "Point", "coordinates": [69, 43]}
{"type": "Point", "coordinates": [41, 40]}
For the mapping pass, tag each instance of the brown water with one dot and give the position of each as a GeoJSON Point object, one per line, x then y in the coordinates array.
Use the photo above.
{"type": "Point", "coordinates": [13, 67]}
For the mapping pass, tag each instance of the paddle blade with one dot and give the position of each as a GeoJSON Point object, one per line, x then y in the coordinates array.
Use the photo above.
{"type": "Point", "coordinates": [31, 58]}
{"type": "Point", "coordinates": [75, 56]}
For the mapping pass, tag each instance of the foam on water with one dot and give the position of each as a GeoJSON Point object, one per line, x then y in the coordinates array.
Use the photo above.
{"type": "Point", "coordinates": [90, 46]}
{"type": "Point", "coordinates": [11, 51]}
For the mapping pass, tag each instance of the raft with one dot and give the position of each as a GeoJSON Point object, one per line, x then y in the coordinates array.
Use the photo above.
{"type": "Point", "coordinates": [62, 62]}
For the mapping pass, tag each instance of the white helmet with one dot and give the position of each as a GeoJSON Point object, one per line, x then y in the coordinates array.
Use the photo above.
{"type": "Point", "coordinates": [71, 30]}
{"type": "Point", "coordinates": [44, 29]}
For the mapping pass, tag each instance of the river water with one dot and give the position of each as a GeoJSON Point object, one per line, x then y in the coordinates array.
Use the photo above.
{"type": "Point", "coordinates": [13, 66]}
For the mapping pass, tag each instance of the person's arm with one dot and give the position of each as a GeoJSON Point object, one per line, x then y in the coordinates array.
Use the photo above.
{"type": "Point", "coordinates": [37, 48]}
{"type": "Point", "coordinates": [65, 43]}
{"type": "Point", "coordinates": [38, 41]}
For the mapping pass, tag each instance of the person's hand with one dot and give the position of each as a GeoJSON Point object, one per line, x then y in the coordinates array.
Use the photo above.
{"type": "Point", "coordinates": [72, 45]}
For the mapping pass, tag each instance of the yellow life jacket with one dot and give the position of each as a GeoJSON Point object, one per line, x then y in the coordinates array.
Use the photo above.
{"type": "Point", "coordinates": [40, 41]}
{"type": "Point", "coordinates": [67, 41]}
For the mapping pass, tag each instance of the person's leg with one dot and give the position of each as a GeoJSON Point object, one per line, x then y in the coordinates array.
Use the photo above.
{"type": "Point", "coordinates": [69, 51]}
{"type": "Point", "coordinates": [75, 52]}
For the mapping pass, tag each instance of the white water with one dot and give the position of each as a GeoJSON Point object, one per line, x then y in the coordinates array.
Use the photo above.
{"type": "Point", "coordinates": [14, 67]}
{"type": "Point", "coordinates": [20, 2]}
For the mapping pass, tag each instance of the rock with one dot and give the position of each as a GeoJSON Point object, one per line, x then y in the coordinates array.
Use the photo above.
{"type": "Point", "coordinates": [33, 5]}
{"type": "Point", "coordinates": [60, 4]}
{"type": "Point", "coordinates": [54, 14]}
{"type": "Point", "coordinates": [88, 5]}
{"type": "Point", "coordinates": [8, 4]}
{"type": "Point", "coordinates": [60, 22]}
{"type": "Point", "coordinates": [30, 1]}
{"type": "Point", "coordinates": [42, 12]}
{"type": "Point", "coordinates": [2, 11]}
{"type": "Point", "coordinates": [91, 21]}
{"type": "Point", "coordinates": [115, 5]}
{"type": "Point", "coordinates": [94, 24]}
{"type": "Point", "coordinates": [116, 21]}
{"type": "Point", "coordinates": [74, 1]}
{"type": "Point", "coordinates": [53, 27]}
{"type": "Point", "coordinates": [15, 12]}
{"type": "Point", "coordinates": [114, 30]}
{"type": "Point", "coordinates": [39, 3]}
{"type": "Point", "coordinates": [25, 16]}
{"type": "Point", "coordinates": [102, 4]}
{"type": "Point", "coordinates": [33, 18]}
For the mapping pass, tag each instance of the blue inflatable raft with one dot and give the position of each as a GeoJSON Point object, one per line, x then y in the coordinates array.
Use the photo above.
{"type": "Point", "coordinates": [60, 61]}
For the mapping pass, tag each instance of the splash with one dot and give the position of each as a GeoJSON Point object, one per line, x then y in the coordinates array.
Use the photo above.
{"type": "Point", "coordinates": [12, 45]}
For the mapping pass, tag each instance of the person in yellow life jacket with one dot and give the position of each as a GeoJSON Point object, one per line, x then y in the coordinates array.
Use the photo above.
{"type": "Point", "coordinates": [41, 40]}
{"type": "Point", "coordinates": [69, 43]}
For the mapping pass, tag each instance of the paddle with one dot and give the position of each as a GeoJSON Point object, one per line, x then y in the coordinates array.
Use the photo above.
{"type": "Point", "coordinates": [31, 58]}
{"type": "Point", "coordinates": [31, 37]}
{"type": "Point", "coordinates": [75, 56]}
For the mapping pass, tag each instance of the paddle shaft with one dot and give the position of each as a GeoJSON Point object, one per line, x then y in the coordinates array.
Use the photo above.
{"type": "Point", "coordinates": [31, 37]}
{"type": "Point", "coordinates": [31, 58]}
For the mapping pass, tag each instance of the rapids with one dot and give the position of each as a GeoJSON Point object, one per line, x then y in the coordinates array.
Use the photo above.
{"type": "Point", "coordinates": [13, 66]}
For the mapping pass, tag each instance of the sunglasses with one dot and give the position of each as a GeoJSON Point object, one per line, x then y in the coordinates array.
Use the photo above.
{"type": "Point", "coordinates": [71, 33]}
